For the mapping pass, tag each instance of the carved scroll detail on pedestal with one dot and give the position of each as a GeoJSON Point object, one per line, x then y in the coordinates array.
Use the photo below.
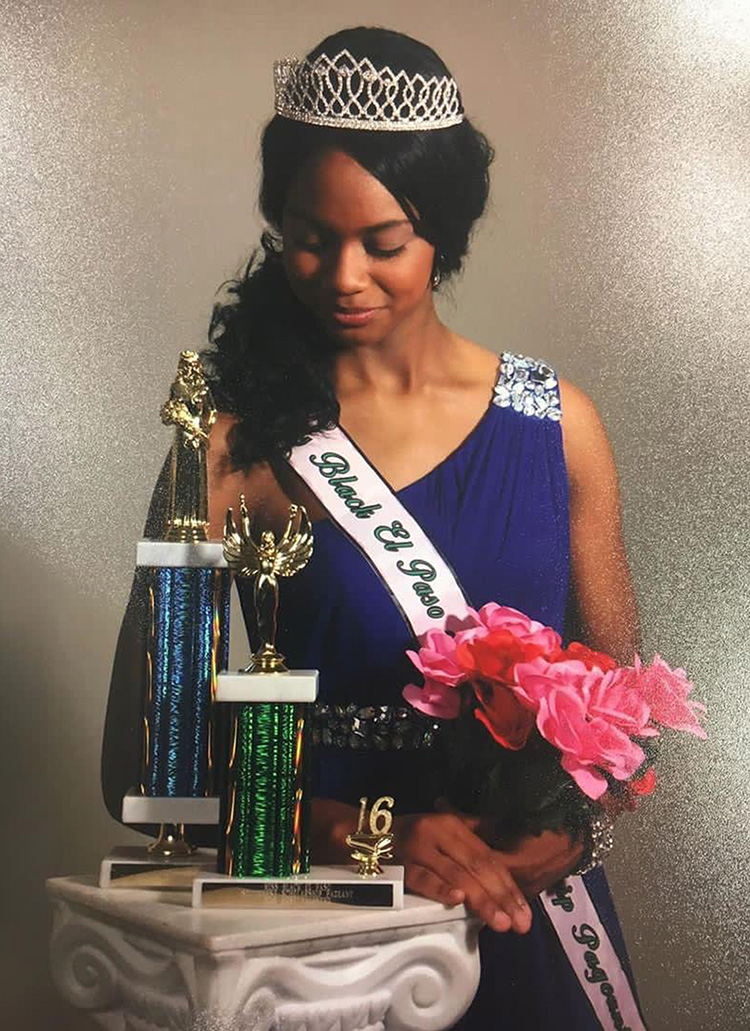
{"type": "Point", "coordinates": [363, 1014]}
{"type": "Point", "coordinates": [429, 981]}
{"type": "Point", "coordinates": [98, 967]}
{"type": "Point", "coordinates": [126, 981]}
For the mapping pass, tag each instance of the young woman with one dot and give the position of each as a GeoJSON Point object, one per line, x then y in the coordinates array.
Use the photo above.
{"type": "Point", "coordinates": [507, 469]}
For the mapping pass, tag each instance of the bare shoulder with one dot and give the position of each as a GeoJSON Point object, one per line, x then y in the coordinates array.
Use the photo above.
{"type": "Point", "coordinates": [579, 411]}
{"type": "Point", "coordinates": [588, 453]}
{"type": "Point", "coordinates": [480, 360]}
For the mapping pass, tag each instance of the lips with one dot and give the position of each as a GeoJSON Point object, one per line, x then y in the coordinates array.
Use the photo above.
{"type": "Point", "coordinates": [353, 316]}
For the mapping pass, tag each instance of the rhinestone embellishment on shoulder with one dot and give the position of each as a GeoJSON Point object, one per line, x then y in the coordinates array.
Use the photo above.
{"type": "Point", "coordinates": [528, 386]}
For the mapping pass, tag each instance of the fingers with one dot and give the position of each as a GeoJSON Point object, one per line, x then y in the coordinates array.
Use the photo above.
{"type": "Point", "coordinates": [424, 882]}
{"type": "Point", "coordinates": [488, 885]}
{"type": "Point", "coordinates": [483, 826]}
{"type": "Point", "coordinates": [445, 861]}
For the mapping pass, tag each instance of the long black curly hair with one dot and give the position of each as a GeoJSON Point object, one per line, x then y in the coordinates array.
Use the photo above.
{"type": "Point", "coordinates": [269, 362]}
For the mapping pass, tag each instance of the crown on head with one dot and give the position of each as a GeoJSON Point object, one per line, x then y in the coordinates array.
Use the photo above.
{"type": "Point", "coordinates": [348, 93]}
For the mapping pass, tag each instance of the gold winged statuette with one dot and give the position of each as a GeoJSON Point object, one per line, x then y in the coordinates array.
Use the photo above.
{"type": "Point", "coordinates": [265, 561]}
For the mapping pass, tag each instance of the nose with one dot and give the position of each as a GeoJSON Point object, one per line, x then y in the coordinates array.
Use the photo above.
{"type": "Point", "coordinates": [348, 269]}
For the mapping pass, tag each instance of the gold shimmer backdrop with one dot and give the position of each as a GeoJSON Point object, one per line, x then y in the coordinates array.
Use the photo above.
{"type": "Point", "coordinates": [617, 247]}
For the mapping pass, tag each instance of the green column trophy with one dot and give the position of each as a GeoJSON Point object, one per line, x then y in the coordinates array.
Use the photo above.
{"type": "Point", "coordinates": [264, 857]}
{"type": "Point", "coordinates": [187, 643]}
{"type": "Point", "coordinates": [266, 824]}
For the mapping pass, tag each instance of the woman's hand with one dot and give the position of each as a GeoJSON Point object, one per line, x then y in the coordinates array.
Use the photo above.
{"type": "Point", "coordinates": [539, 861]}
{"type": "Point", "coordinates": [444, 856]}
{"type": "Point", "coordinates": [536, 862]}
{"type": "Point", "coordinates": [446, 861]}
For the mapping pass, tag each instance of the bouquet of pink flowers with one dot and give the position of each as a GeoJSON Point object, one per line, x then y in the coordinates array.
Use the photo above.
{"type": "Point", "coordinates": [570, 722]}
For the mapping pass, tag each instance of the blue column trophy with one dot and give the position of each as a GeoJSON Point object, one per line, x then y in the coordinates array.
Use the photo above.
{"type": "Point", "coordinates": [187, 644]}
{"type": "Point", "coordinates": [229, 748]}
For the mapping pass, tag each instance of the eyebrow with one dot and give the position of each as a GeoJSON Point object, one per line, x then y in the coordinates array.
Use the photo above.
{"type": "Point", "coordinates": [390, 224]}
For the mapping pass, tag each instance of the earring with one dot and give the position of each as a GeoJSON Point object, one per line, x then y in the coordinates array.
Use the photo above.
{"type": "Point", "coordinates": [436, 280]}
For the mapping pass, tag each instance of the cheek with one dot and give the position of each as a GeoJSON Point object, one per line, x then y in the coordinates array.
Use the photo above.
{"type": "Point", "coordinates": [409, 280]}
{"type": "Point", "coordinates": [300, 265]}
{"type": "Point", "coordinates": [301, 270]}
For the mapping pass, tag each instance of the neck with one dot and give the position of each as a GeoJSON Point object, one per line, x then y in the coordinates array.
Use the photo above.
{"type": "Point", "coordinates": [403, 362]}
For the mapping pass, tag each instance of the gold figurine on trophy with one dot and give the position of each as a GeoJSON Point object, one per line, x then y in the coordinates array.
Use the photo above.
{"type": "Point", "coordinates": [265, 561]}
{"type": "Point", "coordinates": [191, 410]}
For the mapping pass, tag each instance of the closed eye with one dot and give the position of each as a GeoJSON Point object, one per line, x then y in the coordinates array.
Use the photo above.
{"type": "Point", "coordinates": [378, 252]}
{"type": "Point", "coordinates": [318, 246]}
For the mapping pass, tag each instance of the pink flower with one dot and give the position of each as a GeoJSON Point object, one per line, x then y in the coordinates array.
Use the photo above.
{"type": "Point", "coordinates": [434, 699]}
{"type": "Point", "coordinates": [436, 658]}
{"type": "Point", "coordinates": [666, 692]}
{"type": "Point", "coordinates": [535, 679]}
{"type": "Point", "coordinates": [588, 745]}
{"type": "Point", "coordinates": [501, 617]}
{"type": "Point", "coordinates": [614, 697]}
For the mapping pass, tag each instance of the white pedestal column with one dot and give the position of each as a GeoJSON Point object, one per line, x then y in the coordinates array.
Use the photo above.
{"type": "Point", "coordinates": [146, 961]}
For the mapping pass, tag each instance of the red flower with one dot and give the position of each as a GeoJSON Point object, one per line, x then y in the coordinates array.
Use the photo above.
{"type": "Point", "coordinates": [489, 663]}
{"type": "Point", "coordinates": [493, 656]}
{"type": "Point", "coordinates": [507, 720]}
{"type": "Point", "coordinates": [645, 784]}
{"type": "Point", "coordinates": [586, 655]}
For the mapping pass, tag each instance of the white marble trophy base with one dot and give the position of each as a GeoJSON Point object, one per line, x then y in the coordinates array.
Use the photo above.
{"type": "Point", "coordinates": [325, 887]}
{"type": "Point", "coordinates": [148, 961]}
{"type": "Point", "coordinates": [201, 555]}
{"type": "Point", "coordinates": [137, 808]}
{"type": "Point", "coordinates": [133, 866]}
{"type": "Point", "coordinates": [296, 685]}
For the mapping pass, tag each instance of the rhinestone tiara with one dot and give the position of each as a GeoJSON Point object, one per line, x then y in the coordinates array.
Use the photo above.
{"type": "Point", "coordinates": [347, 93]}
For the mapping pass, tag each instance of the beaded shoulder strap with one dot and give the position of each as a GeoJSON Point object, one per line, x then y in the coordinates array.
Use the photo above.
{"type": "Point", "coordinates": [528, 386]}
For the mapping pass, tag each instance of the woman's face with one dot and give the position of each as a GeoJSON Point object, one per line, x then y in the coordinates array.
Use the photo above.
{"type": "Point", "coordinates": [350, 253]}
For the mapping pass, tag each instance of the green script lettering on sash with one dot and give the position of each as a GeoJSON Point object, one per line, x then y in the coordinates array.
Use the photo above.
{"type": "Point", "coordinates": [561, 899]}
{"type": "Point", "coordinates": [330, 463]}
{"type": "Point", "coordinates": [426, 572]}
{"type": "Point", "coordinates": [393, 537]}
{"type": "Point", "coordinates": [366, 511]}
{"type": "Point", "coordinates": [595, 973]}
{"type": "Point", "coordinates": [334, 467]}
{"type": "Point", "coordinates": [425, 595]}
{"type": "Point", "coordinates": [418, 567]}
{"type": "Point", "coordinates": [341, 485]}
{"type": "Point", "coordinates": [586, 936]}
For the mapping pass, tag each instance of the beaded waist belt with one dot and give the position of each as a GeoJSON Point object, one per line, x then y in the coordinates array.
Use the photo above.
{"type": "Point", "coordinates": [380, 727]}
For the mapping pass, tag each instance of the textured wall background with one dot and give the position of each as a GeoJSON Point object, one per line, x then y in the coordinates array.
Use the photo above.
{"type": "Point", "coordinates": [618, 248]}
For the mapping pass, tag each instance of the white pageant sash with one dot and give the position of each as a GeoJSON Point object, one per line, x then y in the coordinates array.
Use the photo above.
{"type": "Point", "coordinates": [428, 594]}
{"type": "Point", "coordinates": [361, 502]}
{"type": "Point", "coordinates": [584, 938]}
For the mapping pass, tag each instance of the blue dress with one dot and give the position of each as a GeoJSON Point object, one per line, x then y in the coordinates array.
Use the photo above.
{"type": "Point", "coordinates": [498, 510]}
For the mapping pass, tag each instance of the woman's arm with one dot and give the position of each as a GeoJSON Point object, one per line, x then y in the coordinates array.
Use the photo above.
{"type": "Point", "coordinates": [601, 575]}
{"type": "Point", "coordinates": [604, 595]}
